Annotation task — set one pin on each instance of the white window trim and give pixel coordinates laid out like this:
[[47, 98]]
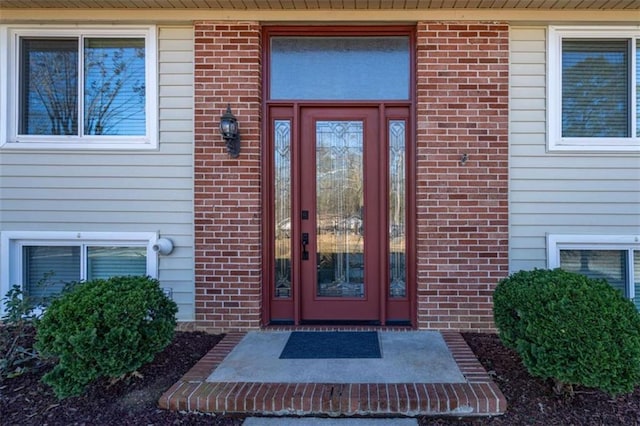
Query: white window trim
[[9, 113], [11, 243], [554, 90], [630, 243]]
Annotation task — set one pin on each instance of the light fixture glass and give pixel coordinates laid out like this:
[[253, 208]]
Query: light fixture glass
[[229, 131]]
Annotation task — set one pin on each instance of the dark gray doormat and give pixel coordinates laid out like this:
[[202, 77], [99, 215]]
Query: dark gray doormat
[[331, 344]]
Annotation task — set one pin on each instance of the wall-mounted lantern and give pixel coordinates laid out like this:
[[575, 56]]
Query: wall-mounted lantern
[[230, 134]]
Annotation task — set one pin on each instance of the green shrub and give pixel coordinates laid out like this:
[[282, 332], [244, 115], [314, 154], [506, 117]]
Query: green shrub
[[17, 354], [104, 328], [570, 328]]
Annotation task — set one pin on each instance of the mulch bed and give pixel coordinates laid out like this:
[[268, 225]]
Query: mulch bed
[[24, 400]]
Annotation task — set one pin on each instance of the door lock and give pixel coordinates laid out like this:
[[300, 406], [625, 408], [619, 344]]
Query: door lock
[[305, 243]]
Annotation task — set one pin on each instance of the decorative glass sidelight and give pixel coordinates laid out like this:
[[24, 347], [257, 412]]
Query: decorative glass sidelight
[[636, 274], [339, 209], [282, 207], [397, 211]]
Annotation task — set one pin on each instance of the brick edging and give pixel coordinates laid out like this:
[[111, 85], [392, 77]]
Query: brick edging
[[479, 397]]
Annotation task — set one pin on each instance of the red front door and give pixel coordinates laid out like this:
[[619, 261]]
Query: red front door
[[338, 226], [340, 218]]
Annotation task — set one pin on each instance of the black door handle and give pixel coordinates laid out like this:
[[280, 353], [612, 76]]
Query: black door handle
[[305, 243]]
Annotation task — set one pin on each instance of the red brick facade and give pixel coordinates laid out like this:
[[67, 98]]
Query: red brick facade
[[462, 217], [227, 190], [462, 211]]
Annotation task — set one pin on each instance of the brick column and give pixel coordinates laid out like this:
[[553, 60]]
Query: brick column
[[462, 211], [227, 207]]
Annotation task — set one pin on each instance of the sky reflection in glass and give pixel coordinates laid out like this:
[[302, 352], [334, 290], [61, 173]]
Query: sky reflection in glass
[[112, 86]]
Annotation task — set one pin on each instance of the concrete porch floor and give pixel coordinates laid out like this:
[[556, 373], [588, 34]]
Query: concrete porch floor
[[420, 373]]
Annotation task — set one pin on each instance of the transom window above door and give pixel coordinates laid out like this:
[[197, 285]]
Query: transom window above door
[[340, 67]]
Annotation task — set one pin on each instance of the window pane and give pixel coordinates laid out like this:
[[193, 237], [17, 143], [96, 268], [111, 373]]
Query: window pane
[[638, 88], [114, 87], [636, 274], [595, 88], [610, 265], [340, 68], [106, 262], [340, 220], [47, 269], [282, 192], [397, 222], [48, 87]]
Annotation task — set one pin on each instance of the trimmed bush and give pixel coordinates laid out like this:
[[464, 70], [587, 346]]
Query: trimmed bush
[[570, 328], [104, 328], [17, 354]]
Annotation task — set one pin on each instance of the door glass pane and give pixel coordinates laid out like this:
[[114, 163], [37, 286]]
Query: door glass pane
[[339, 210], [46, 270], [610, 265], [595, 88], [282, 208], [636, 274], [397, 222], [107, 262], [49, 87], [638, 88], [114, 87], [340, 68]]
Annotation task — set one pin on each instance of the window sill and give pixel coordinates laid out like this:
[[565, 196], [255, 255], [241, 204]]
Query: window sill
[[632, 146], [81, 146]]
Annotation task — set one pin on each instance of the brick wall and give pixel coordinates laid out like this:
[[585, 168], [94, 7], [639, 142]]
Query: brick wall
[[462, 217], [227, 190], [462, 213]]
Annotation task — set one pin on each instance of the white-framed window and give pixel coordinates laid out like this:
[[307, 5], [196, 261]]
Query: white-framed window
[[78, 87], [43, 262], [593, 85], [615, 258]]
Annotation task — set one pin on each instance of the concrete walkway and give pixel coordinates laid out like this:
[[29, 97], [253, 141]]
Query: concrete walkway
[[407, 356], [419, 373]]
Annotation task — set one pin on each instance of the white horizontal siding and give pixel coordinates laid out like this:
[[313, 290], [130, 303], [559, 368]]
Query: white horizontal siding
[[557, 193], [88, 184], [111, 194], [111, 191]]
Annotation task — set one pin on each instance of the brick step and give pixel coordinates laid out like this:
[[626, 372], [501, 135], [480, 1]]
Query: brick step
[[479, 396]]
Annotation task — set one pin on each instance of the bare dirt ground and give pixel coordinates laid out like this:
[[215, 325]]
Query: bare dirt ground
[[24, 400]]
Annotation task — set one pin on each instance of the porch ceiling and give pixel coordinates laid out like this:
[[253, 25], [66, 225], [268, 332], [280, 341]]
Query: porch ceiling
[[324, 4]]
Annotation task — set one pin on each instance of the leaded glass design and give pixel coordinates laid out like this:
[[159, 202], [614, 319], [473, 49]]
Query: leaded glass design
[[636, 275], [339, 210], [638, 88], [397, 216], [282, 208]]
